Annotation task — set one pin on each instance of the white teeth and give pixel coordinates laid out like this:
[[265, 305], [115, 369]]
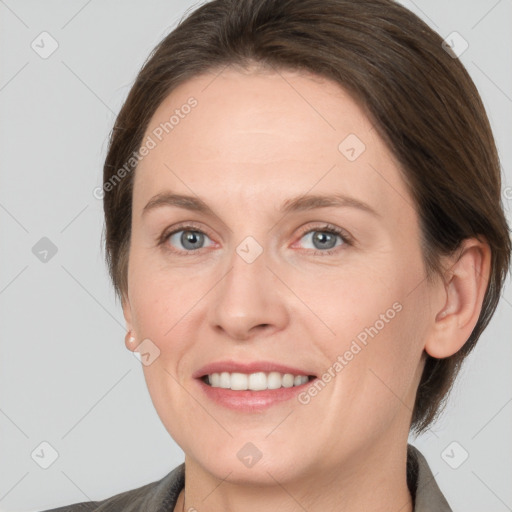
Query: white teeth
[[274, 380], [255, 381], [297, 381]]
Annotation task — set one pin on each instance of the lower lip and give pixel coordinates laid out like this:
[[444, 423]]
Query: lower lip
[[251, 401]]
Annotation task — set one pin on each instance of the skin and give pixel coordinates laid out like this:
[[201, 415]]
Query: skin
[[255, 140]]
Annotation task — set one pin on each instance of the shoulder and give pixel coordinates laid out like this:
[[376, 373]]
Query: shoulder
[[159, 495], [426, 493]]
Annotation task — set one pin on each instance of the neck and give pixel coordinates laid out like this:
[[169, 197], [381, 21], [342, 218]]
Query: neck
[[374, 479]]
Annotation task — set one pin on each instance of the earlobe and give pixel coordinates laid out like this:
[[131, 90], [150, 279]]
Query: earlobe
[[465, 284], [129, 339]]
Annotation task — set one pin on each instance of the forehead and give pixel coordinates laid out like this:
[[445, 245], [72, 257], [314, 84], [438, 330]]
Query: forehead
[[265, 136]]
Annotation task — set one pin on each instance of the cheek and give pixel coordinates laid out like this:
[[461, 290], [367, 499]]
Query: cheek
[[161, 297], [395, 354], [173, 406], [357, 303], [379, 326], [377, 384]]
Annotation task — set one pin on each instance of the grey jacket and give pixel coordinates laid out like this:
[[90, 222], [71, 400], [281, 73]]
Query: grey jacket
[[161, 496]]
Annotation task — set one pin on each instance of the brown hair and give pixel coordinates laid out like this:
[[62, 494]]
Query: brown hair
[[421, 98]]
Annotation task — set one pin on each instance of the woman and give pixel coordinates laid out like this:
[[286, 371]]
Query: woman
[[304, 228]]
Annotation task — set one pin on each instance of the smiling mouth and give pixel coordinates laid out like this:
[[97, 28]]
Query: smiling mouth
[[258, 381]]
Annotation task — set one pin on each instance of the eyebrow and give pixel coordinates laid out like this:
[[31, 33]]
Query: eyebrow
[[295, 204]]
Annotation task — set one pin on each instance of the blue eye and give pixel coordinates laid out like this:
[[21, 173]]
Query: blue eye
[[190, 238], [324, 239]]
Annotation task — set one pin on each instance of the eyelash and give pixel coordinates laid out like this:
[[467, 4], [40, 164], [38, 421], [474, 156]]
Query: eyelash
[[326, 228]]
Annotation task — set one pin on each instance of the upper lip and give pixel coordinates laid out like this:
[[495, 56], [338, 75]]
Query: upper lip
[[248, 367]]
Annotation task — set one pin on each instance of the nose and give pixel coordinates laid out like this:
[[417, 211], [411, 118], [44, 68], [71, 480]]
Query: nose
[[249, 300]]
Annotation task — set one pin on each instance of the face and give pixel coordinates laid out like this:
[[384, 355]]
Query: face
[[331, 289]]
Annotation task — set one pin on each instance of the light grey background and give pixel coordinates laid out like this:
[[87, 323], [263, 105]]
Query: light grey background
[[65, 375]]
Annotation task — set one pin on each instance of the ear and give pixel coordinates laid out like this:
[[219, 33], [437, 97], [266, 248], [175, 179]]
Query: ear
[[465, 283], [127, 313]]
